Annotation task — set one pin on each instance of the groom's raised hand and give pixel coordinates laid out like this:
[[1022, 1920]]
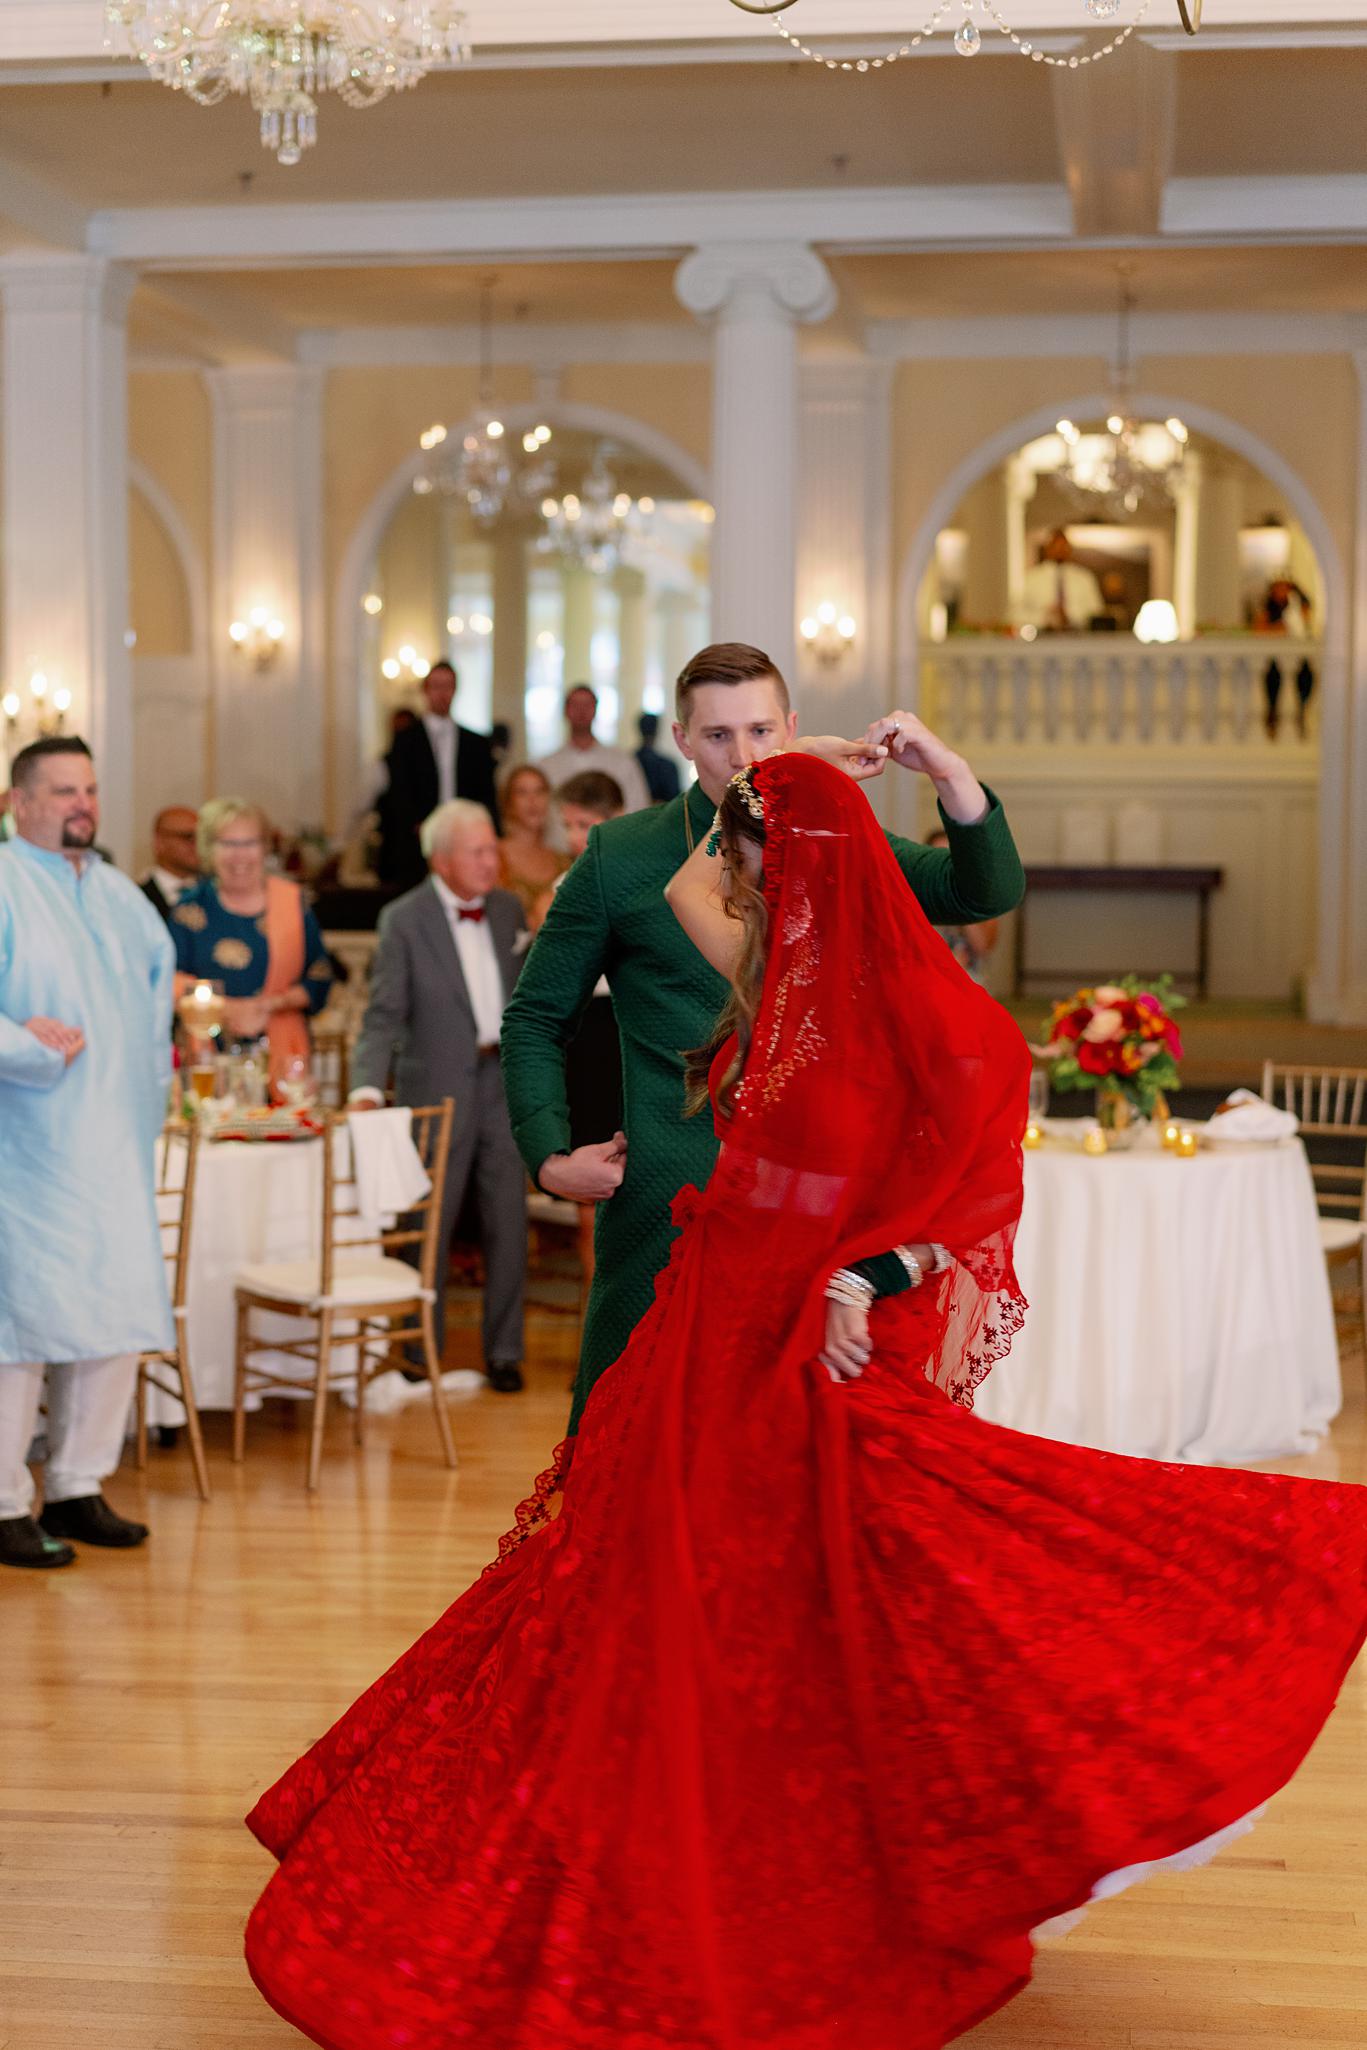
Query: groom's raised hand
[[588, 1175], [912, 744]]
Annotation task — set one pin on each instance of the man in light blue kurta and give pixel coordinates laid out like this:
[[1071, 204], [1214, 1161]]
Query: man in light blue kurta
[[86, 971]]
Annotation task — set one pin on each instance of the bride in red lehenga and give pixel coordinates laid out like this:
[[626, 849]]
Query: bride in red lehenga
[[817, 1696]]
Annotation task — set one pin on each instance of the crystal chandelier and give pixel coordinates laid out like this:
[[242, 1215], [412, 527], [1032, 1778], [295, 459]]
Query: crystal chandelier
[[590, 527], [283, 54], [1134, 462], [481, 467]]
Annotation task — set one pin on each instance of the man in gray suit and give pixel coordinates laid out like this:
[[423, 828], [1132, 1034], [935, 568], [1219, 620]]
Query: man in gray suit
[[445, 967]]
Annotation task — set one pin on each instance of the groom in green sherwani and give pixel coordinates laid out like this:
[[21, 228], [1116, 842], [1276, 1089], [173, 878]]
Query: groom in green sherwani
[[610, 918]]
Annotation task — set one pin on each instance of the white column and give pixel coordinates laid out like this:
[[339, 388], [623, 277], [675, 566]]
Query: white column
[[1352, 1009], [576, 582], [755, 293], [270, 724], [1021, 485], [1186, 542], [844, 539], [64, 437], [510, 631], [632, 624]]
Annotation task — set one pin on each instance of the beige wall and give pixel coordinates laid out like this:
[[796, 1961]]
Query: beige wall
[[170, 430], [159, 597]]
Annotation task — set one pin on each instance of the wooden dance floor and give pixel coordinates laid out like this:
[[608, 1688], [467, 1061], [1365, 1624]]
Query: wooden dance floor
[[147, 1698]]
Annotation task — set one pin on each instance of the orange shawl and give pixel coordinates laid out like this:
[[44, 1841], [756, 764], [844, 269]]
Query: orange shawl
[[288, 1030]]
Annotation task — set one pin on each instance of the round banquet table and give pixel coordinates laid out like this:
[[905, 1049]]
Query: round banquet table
[[254, 1200], [1179, 1309]]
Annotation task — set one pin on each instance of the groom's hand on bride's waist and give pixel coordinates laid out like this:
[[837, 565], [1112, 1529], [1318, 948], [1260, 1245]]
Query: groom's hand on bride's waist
[[588, 1175]]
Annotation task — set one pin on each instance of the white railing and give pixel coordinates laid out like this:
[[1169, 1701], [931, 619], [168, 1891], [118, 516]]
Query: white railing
[[1103, 690]]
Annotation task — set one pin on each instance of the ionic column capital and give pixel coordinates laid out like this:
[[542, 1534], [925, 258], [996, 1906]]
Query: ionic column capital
[[783, 279]]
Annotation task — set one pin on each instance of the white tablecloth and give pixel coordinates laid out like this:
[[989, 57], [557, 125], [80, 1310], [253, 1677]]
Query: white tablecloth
[[253, 1201], [1179, 1309]]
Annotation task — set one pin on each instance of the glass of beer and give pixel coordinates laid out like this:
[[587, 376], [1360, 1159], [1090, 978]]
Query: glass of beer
[[203, 1079]]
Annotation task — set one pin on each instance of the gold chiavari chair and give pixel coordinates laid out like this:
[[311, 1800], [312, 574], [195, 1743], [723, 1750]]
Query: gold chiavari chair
[[1331, 1103], [169, 1372], [332, 1065], [354, 1294]]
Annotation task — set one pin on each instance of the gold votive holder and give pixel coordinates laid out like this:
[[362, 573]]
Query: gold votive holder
[[1172, 1135], [1095, 1143], [1033, 1139], [1185, 1148]]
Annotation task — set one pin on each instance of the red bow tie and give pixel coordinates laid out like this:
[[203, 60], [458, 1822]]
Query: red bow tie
[[476, 916]]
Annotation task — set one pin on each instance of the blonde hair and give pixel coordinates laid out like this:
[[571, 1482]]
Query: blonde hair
[[218, 813]]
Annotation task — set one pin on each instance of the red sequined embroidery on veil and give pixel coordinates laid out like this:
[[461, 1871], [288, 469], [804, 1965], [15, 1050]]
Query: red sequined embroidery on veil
[[810, 1702]]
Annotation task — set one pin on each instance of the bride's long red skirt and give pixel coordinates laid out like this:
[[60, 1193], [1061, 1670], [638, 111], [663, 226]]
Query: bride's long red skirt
[[810, 1704]]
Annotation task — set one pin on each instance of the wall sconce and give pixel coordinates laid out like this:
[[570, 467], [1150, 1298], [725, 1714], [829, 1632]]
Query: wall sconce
[[258, 636], [829, 633]]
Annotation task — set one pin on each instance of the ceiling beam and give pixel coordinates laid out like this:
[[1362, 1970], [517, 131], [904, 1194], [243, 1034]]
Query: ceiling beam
[[986, 337], [1116, 126], [1324, 209], [610, 224]]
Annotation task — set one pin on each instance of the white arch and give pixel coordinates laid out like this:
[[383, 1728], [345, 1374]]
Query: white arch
[[174, 525], [1334, 808], [353, 579]]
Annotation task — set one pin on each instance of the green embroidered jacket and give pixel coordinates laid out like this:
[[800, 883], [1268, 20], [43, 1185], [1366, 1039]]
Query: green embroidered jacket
[[610, 918]]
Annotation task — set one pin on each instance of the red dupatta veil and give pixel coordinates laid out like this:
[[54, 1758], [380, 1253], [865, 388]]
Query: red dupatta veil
[[885, 1092]]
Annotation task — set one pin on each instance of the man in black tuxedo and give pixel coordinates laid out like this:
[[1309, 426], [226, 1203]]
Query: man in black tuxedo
[[429, 763], [175, 858]]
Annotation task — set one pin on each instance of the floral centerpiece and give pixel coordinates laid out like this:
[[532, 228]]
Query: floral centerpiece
[[1121, 1040]]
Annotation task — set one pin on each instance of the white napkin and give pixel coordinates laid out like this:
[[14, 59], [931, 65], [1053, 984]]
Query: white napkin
[[1250, 1119], [390, 1176]]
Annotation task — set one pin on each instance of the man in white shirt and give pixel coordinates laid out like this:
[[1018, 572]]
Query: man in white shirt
[[444, 968], [583, 751], [175, 858], [1061, 594]]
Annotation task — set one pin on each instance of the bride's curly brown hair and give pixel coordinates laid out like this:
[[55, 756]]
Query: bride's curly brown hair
[[744, 901]]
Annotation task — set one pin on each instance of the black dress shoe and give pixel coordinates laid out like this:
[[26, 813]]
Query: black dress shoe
[[22, 1543], [90, 1520], [504, 1376]]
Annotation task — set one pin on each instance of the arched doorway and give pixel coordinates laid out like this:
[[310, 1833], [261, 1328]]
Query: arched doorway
[[1096, 706], [521, 616]]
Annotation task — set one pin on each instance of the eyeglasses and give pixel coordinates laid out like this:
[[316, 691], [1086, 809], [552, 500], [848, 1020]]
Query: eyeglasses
[[236, 846]]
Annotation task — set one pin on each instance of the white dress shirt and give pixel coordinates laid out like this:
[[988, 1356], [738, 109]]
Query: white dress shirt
[[441, 731], [625, 772], [478, 962], [172, 888]]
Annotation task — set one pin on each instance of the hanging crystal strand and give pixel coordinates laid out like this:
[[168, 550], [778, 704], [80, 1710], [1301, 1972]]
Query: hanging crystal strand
[[1102, 10], [967, 36]]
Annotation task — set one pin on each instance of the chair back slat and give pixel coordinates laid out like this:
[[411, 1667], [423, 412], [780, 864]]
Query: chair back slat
[[177, 1168], [431, 1129], [1331, 1104]]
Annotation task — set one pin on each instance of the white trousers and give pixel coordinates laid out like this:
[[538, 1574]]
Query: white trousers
[[87, 1415]]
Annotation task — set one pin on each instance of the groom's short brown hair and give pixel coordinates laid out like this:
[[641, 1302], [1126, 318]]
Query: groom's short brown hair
[[726, 662]]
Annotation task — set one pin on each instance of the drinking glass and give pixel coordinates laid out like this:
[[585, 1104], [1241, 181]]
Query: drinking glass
[[203, 1078], [296, 1084], [1039, 1095]]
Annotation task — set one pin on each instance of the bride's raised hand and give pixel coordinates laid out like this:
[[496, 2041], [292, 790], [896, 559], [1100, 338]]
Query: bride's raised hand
[[862, 759]]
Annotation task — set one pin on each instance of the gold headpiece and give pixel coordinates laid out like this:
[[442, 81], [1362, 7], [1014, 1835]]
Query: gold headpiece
[[749, 796]]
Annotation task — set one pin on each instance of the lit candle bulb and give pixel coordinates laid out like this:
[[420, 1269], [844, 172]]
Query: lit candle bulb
[[1186, 1146], [1033, 1137], [1171, 1134]]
